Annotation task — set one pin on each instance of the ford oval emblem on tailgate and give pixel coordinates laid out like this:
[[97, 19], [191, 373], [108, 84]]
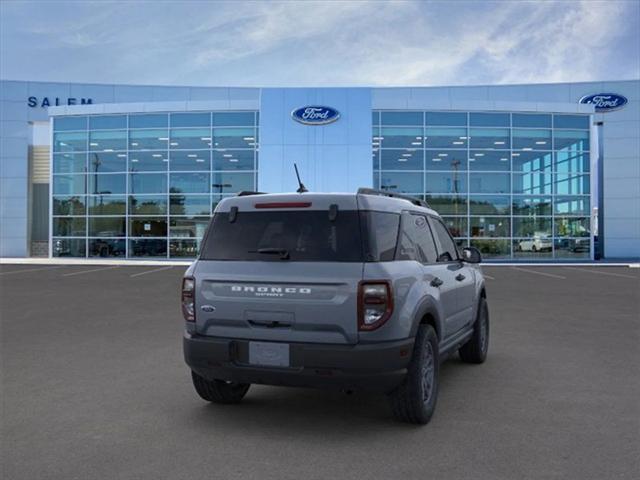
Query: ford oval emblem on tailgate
[[208, 308]]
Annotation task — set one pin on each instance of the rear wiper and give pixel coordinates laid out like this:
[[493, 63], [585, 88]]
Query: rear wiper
[[283, 252]]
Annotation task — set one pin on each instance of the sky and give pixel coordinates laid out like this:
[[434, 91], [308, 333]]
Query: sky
[[329, 43]]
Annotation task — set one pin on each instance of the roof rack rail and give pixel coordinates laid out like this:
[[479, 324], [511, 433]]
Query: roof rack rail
[[384, 193], [244, 193]]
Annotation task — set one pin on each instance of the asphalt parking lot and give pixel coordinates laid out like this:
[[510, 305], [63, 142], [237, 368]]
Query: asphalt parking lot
[[94, 387]]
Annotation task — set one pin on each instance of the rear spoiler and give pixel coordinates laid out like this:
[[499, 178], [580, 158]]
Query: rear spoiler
[[361, 191], [246, 193], [383, 193]]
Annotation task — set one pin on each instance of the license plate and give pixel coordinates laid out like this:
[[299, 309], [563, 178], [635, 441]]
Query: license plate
[[269, 354]]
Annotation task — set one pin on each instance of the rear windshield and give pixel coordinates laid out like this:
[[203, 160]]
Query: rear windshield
[[303, 236]]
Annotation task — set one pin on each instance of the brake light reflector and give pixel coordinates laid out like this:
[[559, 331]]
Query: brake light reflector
[[375, 304], [188, 299]]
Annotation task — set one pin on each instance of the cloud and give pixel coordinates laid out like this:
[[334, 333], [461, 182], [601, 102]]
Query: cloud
[[321, 43]]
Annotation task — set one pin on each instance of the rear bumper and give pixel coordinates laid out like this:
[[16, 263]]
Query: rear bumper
[[374, 367]]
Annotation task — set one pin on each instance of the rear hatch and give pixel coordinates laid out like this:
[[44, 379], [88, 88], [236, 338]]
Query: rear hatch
[[281, 269]]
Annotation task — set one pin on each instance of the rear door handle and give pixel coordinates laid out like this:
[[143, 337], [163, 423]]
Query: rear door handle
[[460, 277], [436, 282]]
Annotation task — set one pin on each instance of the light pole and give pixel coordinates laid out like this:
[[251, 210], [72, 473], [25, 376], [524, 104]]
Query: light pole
[[220, 186], [456, 165]]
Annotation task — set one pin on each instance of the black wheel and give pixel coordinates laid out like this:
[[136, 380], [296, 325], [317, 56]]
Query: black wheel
[[219, 391], [534, 248], [415, 400], [475, 350]]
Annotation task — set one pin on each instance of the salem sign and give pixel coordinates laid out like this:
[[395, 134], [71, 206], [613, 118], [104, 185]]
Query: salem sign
[[44, 102]]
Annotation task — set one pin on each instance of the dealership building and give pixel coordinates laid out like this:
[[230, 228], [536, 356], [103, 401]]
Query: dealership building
[[547, 172]]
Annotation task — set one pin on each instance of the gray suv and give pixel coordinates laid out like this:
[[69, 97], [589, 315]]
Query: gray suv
[[359, 291]]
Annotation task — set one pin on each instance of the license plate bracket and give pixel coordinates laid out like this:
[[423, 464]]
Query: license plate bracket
[[269, 354]]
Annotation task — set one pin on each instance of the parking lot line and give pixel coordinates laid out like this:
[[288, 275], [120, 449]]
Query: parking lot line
[[30, 270], [150, 271], [600, 272], [488, 276], [89, 271], [539, 273]]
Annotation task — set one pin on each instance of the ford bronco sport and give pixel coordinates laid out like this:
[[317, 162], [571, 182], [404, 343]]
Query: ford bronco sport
[[354, 291]]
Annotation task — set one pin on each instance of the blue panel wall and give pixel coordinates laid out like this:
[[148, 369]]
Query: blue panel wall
[[331, 158]]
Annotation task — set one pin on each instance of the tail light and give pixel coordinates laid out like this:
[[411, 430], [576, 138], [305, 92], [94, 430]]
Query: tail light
[[375, 304], [188, 299]]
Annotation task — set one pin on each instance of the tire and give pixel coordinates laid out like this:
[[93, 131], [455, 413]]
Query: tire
[[476, 348], [219, 391], [534, 248], [415, 400]]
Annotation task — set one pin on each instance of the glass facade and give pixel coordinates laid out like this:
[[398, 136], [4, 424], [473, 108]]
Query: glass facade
[[514, 185], [144, 185]]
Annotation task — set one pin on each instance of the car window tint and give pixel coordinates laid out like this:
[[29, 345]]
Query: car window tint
[[304, 235], [380, 232], [407, 248], [415, 240], [447, 251], [425, 241]]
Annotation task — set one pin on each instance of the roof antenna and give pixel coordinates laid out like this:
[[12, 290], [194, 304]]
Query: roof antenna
[[301, 188]]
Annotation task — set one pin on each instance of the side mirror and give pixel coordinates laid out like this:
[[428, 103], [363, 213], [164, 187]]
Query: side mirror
[[471, 255]]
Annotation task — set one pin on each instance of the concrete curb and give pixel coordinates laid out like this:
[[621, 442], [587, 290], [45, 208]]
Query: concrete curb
[[91, 261], [563, 264], [160, 263]]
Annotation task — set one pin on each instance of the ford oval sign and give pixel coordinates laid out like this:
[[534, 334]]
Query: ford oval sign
[[605, 102], [315, 115]]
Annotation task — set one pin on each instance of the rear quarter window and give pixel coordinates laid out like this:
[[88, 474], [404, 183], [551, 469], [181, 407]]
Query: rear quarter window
[[380, 234]]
